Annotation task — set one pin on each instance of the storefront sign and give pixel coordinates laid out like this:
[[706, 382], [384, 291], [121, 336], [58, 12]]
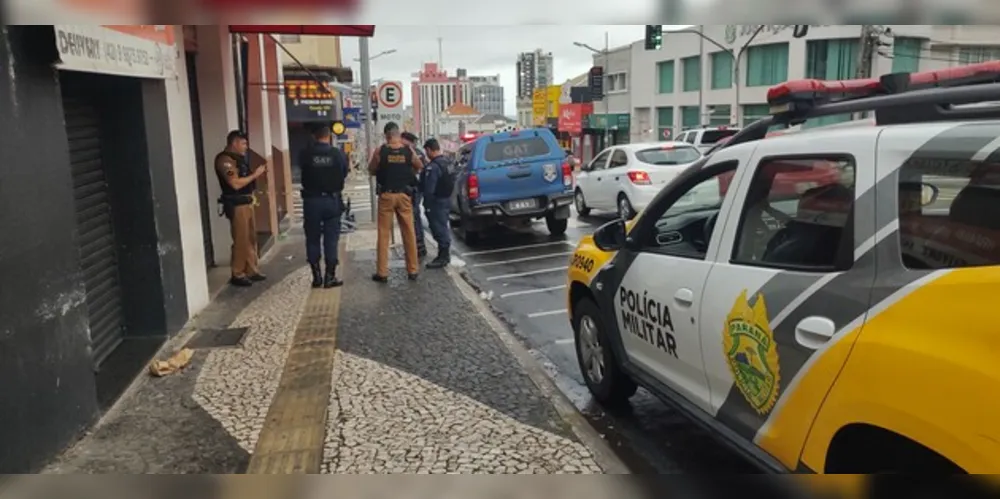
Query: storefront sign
[[608, 121], [596, 82], [141, 50], [571, 118], [306, 101], [538, 106], [353, 116]]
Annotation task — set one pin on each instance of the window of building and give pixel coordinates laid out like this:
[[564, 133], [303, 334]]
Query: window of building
[[722, 70], [797, 215], [665, 75], [690, 117], [664, 121], [617, 82], [831, 60], [973, 55], [906, 54], [767, 64], [290, 38], [719, 114], [949, 213], [692, 73]]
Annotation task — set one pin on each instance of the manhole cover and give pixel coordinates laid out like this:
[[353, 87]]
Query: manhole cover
[[217, 338]]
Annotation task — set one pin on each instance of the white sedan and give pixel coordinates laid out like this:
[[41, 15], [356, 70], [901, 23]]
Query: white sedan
[[625, 178]]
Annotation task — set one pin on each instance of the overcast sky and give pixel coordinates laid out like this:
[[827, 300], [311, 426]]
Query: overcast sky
[[484, 50]]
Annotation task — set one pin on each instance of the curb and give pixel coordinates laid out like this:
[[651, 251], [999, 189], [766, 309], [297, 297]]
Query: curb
[[603, 454]]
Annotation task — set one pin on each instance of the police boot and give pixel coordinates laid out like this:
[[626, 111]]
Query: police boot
[[331, 281], [442, 260], [317, 276], [421, 251]]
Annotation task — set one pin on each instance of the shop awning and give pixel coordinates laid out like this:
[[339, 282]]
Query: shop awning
[[359, 30]]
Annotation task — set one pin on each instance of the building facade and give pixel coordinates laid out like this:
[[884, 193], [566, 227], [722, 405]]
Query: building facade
[[433, 92], [115, 243], [692, 82], [313, 50], [611, 121], [487, 94], [534, 70]]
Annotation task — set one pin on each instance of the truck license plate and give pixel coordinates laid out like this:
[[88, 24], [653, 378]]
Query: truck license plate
[[522, 204]]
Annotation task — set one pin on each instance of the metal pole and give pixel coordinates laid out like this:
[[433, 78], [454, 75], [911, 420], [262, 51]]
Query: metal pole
[[701, 72], [366, 104], [607, 102]]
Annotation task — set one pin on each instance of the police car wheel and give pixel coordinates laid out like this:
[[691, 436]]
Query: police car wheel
[[556, 227], [581, 203], [608, 384]]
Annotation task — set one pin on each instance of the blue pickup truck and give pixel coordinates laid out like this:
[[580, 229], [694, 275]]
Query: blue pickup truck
[[511, 178]]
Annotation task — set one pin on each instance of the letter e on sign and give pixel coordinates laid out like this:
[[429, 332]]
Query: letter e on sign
[[390, 94]]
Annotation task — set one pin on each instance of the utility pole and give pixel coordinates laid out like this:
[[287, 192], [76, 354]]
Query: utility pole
[[440, 53], [867, 46], [366, 104], [607, 102]]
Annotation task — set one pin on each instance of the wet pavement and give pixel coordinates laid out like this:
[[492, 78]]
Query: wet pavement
[[522, 274]]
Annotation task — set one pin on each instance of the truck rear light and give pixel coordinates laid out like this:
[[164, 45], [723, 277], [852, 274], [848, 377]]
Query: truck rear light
[[473, 184], [567, 174], [639, 178]]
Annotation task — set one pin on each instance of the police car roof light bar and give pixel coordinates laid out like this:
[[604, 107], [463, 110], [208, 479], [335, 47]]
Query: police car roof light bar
[[792, 99]]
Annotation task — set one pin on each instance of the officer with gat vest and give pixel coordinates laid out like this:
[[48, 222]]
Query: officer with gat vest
[[418, 225], [438, 184], [324, 168], [238, 184], [394, 165]]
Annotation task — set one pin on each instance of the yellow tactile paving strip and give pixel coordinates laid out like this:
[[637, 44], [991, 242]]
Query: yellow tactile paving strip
[[291, 441]]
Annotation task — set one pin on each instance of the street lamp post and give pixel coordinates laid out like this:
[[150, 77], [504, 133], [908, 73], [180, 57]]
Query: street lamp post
[[366, 104], [376, 56], [735, 113]]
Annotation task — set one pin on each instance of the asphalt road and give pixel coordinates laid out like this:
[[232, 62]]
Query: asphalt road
[[523, 275]]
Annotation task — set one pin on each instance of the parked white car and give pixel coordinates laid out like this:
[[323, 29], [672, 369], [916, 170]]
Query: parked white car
[[625, 178], [706, 138]]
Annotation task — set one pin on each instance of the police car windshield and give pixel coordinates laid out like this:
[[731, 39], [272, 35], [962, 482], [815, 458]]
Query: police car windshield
[[668, 155], [507, 150]]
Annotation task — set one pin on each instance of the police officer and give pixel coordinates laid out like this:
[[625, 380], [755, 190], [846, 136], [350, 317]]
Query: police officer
[[324, 168], [394, 164], [238, 183], [418, 225], [437, 185]]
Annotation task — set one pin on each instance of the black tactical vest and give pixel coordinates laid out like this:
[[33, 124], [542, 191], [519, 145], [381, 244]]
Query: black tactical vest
[[242, 170], [322, 171], [395, 168]]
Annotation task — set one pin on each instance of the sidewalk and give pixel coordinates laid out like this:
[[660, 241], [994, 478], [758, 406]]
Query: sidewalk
[[408, 377]]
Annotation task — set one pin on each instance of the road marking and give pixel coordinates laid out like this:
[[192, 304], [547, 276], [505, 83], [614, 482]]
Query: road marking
[[564, 341], [525, 259], [544, 314], [523, 274], [531, 291], [514, 248]]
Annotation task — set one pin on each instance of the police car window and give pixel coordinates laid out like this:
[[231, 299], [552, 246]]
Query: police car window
[[691, 137], [949, 213], [668, 155], [797, 215], [713, 136], [516, 149], [686, 226]]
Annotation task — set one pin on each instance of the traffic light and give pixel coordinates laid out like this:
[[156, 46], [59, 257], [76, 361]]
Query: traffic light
[[654, 37]]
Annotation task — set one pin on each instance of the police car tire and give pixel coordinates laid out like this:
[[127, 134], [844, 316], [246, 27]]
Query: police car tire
[[616, 388], [556, 226]]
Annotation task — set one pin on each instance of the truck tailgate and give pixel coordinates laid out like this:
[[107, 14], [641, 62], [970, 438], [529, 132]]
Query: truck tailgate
[[517, 180]]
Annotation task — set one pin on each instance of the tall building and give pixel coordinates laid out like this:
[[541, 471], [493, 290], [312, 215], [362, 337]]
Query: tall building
[[534, 70], [487, 94], [433, 92]]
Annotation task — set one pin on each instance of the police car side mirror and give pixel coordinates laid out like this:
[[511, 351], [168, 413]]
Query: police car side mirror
[[610, 236], [928, 194]]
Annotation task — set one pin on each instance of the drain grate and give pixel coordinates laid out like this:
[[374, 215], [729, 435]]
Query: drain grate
[[217, 338]]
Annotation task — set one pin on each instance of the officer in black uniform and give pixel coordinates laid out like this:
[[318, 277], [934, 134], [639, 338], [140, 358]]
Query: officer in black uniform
[[238, 183], [324, 168]]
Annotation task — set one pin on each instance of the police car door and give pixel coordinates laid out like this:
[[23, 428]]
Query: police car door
[[661, 292], [795, 272]]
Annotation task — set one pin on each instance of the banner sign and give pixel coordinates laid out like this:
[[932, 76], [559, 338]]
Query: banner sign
[[141, 50], [307, 101], [353, 117]]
